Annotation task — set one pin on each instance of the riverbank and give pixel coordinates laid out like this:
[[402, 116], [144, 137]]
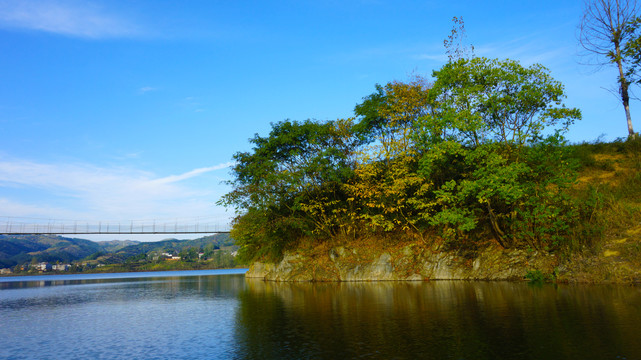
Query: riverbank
[[616, 260], [119, 269]]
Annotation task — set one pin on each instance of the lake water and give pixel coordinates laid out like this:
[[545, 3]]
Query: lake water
[[218, 314]]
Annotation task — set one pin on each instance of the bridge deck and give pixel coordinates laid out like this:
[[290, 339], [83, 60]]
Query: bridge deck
[[116, 232], [21, 226]]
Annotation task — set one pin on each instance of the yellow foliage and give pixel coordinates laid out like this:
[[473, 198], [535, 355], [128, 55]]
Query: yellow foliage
[[386, 181], [406, 104]]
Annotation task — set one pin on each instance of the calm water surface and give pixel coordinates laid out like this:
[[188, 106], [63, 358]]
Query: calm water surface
[[218, 314]]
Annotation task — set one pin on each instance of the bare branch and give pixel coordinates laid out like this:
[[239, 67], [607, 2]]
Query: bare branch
[[454, 44], [605, 31]]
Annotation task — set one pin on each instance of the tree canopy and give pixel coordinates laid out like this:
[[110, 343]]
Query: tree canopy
[[475, 153]]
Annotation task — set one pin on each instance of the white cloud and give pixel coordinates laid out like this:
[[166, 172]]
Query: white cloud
[[192, 173], [67, 17], [88, 192], [146, 89]]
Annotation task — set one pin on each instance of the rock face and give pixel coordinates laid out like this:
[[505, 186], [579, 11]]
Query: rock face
[[408, 263]]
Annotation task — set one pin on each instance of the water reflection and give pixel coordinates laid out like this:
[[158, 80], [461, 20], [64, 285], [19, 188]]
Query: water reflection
[[53, 293], [437, 320], [189, 317], [229, 317]]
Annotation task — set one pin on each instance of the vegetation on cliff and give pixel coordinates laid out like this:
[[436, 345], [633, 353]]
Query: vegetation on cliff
[[476, 154], [467, 169]]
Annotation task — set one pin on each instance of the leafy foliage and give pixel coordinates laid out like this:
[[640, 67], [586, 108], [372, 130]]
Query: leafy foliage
[[385, 178], [479, 151], [291, 184], [498, 170]]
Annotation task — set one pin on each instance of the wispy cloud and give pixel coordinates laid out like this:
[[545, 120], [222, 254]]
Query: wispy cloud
[[434, 57], [84, 191], [67, 17], [192, 104], [192, 173], [146, 89], [13, 208], [527, 52]]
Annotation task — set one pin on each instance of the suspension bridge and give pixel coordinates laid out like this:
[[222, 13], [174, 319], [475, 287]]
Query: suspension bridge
[[10, 225]]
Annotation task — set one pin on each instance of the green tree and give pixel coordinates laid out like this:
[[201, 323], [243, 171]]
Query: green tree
[[632, 52], [189, 254], [291, 185], [480, 149], [488, 161], [608, 38]]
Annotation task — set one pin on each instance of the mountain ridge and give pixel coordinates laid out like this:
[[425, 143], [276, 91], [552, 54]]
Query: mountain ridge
[[18, 250]]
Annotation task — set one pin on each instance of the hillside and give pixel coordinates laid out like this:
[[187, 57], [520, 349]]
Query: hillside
[[23, 249], [170, 245], [610, 178], [16, 250]]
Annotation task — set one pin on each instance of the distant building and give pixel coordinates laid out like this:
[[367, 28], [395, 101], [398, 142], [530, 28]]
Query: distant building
[[43, 266], [60, 267], [5, 271], [169, 256]]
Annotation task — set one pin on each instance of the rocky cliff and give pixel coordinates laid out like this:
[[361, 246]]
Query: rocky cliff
[[409, 262]]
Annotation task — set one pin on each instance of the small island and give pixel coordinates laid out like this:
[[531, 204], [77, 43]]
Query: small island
[[466, 175]]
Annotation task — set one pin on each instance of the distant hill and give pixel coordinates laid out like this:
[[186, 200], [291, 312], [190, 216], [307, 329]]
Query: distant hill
[[21, 249], [16, 250], [169, 245], [115, 245]]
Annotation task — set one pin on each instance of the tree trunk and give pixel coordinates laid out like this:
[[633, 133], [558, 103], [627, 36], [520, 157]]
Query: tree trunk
[[631, 132], [625, 99], [498, 233], [623, 87]]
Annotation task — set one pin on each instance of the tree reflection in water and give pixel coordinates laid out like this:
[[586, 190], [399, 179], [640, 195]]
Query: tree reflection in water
[[437, 320]]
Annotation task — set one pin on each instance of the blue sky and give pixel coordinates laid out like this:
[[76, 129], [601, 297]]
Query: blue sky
[[122, 110]]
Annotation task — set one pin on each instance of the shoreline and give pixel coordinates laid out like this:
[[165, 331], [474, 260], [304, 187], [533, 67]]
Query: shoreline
[[115, 272], [412, 261]]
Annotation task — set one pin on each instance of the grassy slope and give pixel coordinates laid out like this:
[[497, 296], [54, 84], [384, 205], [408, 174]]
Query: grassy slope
[[611, 172]]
